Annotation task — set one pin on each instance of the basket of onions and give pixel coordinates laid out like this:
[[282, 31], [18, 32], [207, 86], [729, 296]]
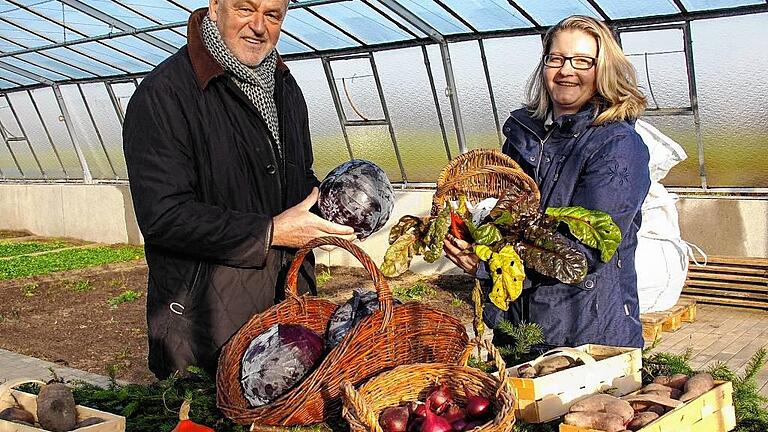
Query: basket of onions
[[433, 397]]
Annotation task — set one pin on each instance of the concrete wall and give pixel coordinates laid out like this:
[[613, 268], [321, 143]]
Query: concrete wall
[[104, 213]]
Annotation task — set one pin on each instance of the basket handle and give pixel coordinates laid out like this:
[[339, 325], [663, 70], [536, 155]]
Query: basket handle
[[477, 342], [6, 387], [573, 353], [379, 282], [366, 416]]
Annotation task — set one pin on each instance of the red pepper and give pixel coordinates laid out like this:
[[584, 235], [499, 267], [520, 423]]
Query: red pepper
[[459, 228], [187, 425]]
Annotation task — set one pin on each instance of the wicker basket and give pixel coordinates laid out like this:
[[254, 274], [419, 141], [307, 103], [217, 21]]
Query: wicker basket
[[395, 335], [480, 174], [363, 406]]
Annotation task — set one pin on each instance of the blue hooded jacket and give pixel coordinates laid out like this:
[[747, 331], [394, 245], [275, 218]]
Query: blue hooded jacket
[[600, 167]]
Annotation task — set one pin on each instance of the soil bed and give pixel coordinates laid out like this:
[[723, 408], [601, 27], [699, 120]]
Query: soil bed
[[66, 317]]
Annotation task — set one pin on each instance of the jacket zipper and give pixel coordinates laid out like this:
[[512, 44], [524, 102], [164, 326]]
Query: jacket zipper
[[542, 141]]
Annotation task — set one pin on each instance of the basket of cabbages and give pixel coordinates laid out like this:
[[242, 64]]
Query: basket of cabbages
[[433, 397], [284, 367]]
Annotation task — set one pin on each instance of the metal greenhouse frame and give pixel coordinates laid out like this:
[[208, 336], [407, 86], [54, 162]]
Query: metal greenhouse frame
[[53, 44]]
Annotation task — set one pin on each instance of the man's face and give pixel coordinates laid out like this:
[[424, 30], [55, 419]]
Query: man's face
[[249, 28]]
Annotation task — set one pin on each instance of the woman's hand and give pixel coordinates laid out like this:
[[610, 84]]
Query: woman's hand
[[459, 252]]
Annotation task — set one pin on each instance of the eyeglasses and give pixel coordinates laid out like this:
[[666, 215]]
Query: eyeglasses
[[577, 62]]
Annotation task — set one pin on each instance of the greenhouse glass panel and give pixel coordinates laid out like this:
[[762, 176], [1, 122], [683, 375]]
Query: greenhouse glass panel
[[55, 65], [52, 117], [20, 37], [357, 89], [485, 15], [435, 16], [376, 4], [171, 37], [121, 13], [13, 77], [143, 50], [74, 58], [10, 126], [85, 134], [509, 74], [361, 21], [314, 31], [193, 4], [476, 110], [36, 135], [17, 144], [289, 45], [733, 99], [8, 168], [105, 117], [6, 46], [77, 22], [413, 113], [123, 92], [110, 56], [551, 12], [43, 27], [658, 56], [694, 5], [683, 131], [374, 143], [6, 84], [32, 68], [617, 9], [328, 143], [162, 11]]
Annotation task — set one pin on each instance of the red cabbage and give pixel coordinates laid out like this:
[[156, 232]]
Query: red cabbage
[[278, 359], [346, 316], [357, 193]]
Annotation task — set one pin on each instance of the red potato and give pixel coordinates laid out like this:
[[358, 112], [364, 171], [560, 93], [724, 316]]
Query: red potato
[[18, 415], [56, 408], [595, 420], [661, 390], [605, 403], [641, 420]]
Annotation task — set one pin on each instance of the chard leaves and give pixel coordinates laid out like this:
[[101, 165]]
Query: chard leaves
[[594, 228], [397, 259], [437, 231], [551, 255]]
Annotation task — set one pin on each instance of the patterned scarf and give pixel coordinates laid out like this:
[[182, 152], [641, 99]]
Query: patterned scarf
[[257, 82]]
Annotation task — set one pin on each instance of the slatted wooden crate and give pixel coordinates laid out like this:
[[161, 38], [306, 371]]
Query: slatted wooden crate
[[10, 397], [669, 320], [711, 412], [730, 281], [615, 370]]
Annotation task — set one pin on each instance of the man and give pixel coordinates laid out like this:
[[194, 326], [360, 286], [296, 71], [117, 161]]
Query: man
[[217, 145]]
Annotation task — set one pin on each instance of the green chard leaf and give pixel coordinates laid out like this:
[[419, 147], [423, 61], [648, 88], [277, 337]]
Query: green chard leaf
[[551, 255], [513, 205], [594, 228], [405, 224], [397, 259], [437, 231], [486, 234]]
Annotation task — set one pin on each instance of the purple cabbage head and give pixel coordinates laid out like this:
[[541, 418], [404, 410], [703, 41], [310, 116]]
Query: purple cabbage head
[[357, 193], [277, 360], [346, 316]]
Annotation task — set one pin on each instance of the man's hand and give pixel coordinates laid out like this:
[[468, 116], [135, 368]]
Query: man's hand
[[456, 251], [296, 226]]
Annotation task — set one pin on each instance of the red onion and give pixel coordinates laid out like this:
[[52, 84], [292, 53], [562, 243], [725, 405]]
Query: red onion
[[394, 419], [473, 424], [440, 398], [453, 413], [459, 425], [417, 409], [433, 422], [477, 406], [415, 424]]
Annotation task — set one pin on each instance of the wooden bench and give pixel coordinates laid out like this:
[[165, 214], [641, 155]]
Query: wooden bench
[[729, 281], [669, 320]]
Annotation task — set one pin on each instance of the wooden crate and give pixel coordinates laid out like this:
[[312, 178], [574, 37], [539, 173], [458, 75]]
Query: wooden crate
[[669, 320], [616, 370], [9, 397], [711, 412], [730, 281]]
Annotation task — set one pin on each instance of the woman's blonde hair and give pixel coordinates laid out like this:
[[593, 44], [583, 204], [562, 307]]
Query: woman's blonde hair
[[617, 97]]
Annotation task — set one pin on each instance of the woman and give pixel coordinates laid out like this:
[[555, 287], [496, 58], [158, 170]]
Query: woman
[[576, 138]]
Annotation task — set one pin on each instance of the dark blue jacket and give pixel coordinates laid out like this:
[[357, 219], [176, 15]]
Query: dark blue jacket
[[601, 167]]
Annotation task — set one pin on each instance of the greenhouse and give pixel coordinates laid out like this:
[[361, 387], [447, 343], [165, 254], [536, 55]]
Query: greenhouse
[[409, 85]]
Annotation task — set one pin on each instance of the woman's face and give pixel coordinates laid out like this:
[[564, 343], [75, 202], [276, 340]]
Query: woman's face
[[571, 88]]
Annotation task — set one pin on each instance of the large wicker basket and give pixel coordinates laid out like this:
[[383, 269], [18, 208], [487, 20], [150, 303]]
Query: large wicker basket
[[363, 406], [393, 336], [480, 174]]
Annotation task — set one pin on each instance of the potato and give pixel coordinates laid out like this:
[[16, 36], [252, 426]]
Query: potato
[[697, 385], [605, 403], [526, 371], [595, 420], [56, 408], [678, 381], [18, 415], [90, 421], [552, 364], [658, 409], [641, 420], [661, 390]]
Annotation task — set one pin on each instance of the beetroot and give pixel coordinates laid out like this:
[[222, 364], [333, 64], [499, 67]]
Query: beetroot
[[357, 193], [277, 360]]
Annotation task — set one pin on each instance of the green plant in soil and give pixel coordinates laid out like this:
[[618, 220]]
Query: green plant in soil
[[416, 292], [125, 297], [29, 290], [11, 249], [25, 266], [79, 286], [456, 302], [323, 277]]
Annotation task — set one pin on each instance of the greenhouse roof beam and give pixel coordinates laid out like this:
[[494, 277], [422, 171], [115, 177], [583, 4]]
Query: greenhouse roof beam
[[414, 20], [599, 10], [456, 15], [25, 74], [680, 6], [525, 13], [118, 24]]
